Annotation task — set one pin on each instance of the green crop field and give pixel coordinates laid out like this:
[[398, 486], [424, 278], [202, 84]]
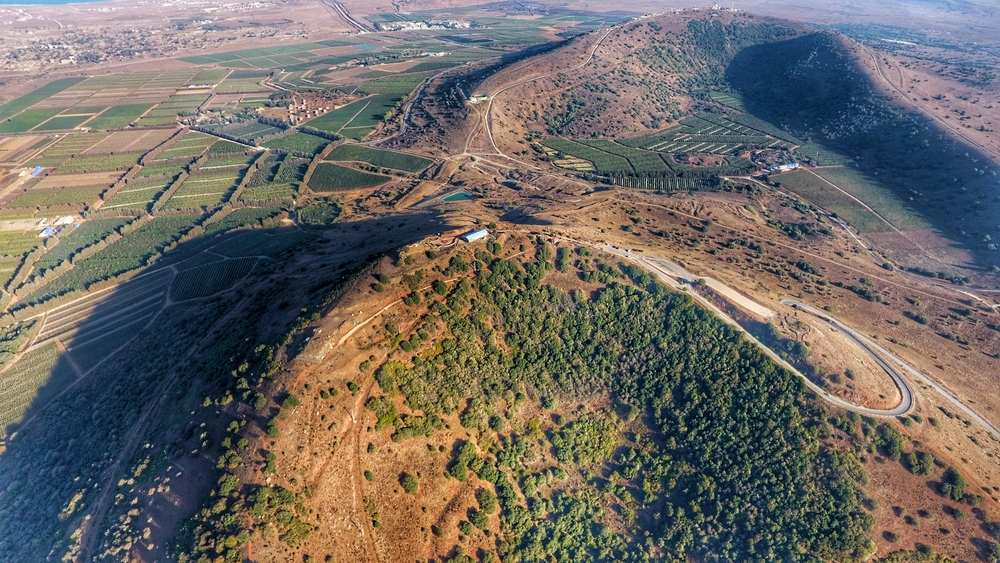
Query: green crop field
[[302, 143], [640, 160], [815, 190], [875, 195], [120, 116], [17, 243], [32, 380], [331, 177], [26, 120], [99, 163], [60, 123], [129, 253], [139, 194], [734, 101], [387, 159], [83, 196], [245, 217], [821, 155], [90, 232], [399, 85], [334, 121], [18, 105], [210, 279]]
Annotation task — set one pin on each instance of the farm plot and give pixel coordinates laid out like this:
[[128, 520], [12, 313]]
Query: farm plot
[[821, 155], [16, 244], [210, 279], [27, 120], [98, 163], [210, 76], [35, 378], [262, 243], [276, 183], [399, 85], [130, 141], [93, 327], [875, 195], [73, 180], [371, 116], [204, 189], [139, 195], [734, 101], [386, 159], [322, 214], [66, 147], [63, 122], [167, 170], [132, 251], [240, 86], [18, 105], [601, 161], [714, 134], [87, 234], [226, 147], [82, 197], [807, 186], [190, 146], [15, 150], [640, 160], [330, 177], [334, 121], [245, 217], [298, 143], [119, 116]]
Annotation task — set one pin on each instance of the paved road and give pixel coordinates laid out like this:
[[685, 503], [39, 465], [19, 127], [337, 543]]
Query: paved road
[[667, 274], [873, 347]]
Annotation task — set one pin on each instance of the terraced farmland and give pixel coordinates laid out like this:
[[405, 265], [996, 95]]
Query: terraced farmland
[[87, 234], [31, 381], [298, 143]]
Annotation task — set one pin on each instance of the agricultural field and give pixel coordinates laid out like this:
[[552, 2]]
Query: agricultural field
[[13, 107], [357, 119], [246, 217], [385, 159], [18, 243], [807, 186], [130, 141], [399, 85], [98, 163], [203, 281], [139, 194], [80, 197], [298, 143], [331, 177], [601, 161], [189, 146], [82, 179], [822, 156], [734, 101], [132, 251], [319, 213], [875, 195], [204, 189], [15, 150], [27, 120], [87, 234], [226, 147], [275, 181], [33, 380], [65, 147], [95, 325], [715, 134], [63, 122], [247, 131], [119, 116], [262, 243]]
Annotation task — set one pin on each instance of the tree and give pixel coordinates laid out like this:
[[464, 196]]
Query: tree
[[409, 483]]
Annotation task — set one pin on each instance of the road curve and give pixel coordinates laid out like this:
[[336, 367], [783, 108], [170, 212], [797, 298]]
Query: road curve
[[669, 275], [872, 346]]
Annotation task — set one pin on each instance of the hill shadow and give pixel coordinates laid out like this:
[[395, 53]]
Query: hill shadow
[[814, 87], [142, 366]]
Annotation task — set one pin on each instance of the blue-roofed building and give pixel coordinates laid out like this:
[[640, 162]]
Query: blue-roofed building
[[38, 170], [473, 236]]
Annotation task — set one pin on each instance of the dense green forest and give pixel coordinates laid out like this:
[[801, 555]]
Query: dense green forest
[[720, 460]]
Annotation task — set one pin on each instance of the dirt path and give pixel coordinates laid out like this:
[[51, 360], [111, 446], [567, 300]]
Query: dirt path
[[91, 528], [925, 112]]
